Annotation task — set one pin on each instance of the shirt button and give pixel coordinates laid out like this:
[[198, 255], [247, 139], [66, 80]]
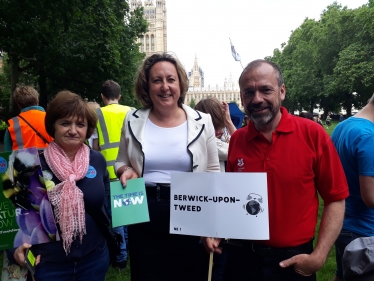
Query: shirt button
[[267, 159]]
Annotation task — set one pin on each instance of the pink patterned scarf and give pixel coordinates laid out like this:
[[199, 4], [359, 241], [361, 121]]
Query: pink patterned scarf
[[66, 197]]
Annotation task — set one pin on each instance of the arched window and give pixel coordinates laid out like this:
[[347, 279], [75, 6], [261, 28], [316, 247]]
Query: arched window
[[152, 42], [147, 43]]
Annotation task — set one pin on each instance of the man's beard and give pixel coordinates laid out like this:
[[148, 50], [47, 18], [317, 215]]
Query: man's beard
[[262, 118]]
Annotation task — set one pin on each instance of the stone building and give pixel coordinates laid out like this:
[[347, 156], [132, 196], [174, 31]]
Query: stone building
[[196, 91], [155, 39], [196, 76]]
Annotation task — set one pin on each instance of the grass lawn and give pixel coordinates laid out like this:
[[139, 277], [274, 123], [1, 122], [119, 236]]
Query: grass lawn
[[325, 274], [114, 274]]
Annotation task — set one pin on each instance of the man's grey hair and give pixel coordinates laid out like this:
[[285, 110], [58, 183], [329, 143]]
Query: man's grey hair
[[256, 63]]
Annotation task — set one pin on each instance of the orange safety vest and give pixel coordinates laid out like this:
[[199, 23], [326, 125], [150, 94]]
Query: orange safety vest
[[23, 136]]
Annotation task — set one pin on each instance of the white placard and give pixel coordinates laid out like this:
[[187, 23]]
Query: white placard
[[224, 205]]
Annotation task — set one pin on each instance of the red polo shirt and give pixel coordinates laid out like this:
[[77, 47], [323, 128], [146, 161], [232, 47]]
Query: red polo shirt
[[300, 161]]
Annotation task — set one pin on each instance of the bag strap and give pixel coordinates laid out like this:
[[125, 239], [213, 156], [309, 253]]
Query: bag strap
[[39, 135]]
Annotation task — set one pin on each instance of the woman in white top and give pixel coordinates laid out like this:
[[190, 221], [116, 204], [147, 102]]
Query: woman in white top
[[162, 137]]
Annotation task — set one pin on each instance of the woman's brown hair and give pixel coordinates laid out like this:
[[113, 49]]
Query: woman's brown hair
[[68, 104], [213, 106], [142, 80]]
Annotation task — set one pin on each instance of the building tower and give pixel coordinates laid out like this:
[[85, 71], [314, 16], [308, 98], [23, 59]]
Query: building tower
[[155, 39], [197, 91], [196, 76]]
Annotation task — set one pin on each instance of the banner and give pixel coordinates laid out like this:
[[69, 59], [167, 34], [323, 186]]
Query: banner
[[223, 205], [129, 205], [26, 214]]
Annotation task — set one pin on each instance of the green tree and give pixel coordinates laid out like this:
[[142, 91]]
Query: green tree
[[73, 45], [330, 62], [4, 89], [297, 61], [192, 103]]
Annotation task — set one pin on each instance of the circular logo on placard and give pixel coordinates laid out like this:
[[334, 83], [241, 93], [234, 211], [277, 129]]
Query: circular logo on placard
[[253, 206], [3, 165], [91, 173]]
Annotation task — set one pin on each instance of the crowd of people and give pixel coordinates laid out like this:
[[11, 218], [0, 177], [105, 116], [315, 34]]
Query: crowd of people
[[121, 143], [318, 119]]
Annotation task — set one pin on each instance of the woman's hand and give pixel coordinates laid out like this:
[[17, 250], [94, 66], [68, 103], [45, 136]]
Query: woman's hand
[[211, 244], [226, 111], [128, 174], [20, 252]]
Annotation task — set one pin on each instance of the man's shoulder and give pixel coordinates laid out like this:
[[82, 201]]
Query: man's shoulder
[[306, 125], [239, 134], [110, 107], [124, 106], [354, 127], [33, 111]]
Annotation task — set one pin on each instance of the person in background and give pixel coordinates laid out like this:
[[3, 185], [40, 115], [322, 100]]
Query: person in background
[[301, 162], [220, 114], [245, 121], [354, 141], [93, 106], [164, 136], [75, 194], [109, 130], [341, 117], [222, 123], [328, 121], [27, 129], [307, 115]]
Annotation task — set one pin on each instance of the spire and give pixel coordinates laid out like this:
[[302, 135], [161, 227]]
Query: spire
[[196, 65], [196, 76], [230, 79]]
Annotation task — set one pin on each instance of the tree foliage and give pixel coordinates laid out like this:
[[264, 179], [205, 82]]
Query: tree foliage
[[72, 44], [330, 62], [192, 103]]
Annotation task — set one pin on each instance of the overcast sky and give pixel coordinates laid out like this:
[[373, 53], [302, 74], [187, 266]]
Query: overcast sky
[[256, 28]]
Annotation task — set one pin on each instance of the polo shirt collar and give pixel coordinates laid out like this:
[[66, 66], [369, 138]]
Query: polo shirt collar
[[285, 125]]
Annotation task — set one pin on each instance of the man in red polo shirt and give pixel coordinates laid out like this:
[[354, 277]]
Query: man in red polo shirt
[[301, 162]]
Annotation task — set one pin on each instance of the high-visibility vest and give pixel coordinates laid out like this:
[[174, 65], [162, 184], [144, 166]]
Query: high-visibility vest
[[23, 136], [109, 128]]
